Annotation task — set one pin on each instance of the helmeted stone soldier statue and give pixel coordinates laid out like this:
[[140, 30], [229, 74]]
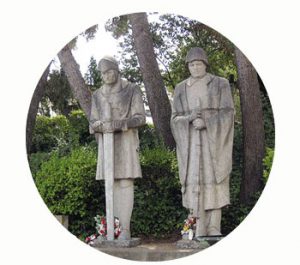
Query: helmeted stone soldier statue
[[202, 124], [122, 102]]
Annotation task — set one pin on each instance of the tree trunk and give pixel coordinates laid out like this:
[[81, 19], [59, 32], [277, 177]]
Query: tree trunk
[[33, 108], [76, 81], [158, 100], [253, 127]]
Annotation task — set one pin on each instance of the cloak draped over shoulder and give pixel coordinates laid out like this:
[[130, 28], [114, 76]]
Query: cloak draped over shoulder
[[204, 153]]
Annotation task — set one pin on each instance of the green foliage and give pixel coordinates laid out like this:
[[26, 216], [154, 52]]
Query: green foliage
[[61, 133], [67, 185], [79, 125], [148, 137], [233, 214], [172, 36], [58, 96], [50, 133], [158, 210], [269, 126], [36, 160], [267, 162], [93, 77]]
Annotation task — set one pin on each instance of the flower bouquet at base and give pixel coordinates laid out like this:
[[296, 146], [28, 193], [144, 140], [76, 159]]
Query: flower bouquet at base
[[187, 230], [101, 228]]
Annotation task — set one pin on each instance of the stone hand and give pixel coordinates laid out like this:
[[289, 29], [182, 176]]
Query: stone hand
[[199, 124], [196, 113], [107, 127], [97, 126], [118, 125]]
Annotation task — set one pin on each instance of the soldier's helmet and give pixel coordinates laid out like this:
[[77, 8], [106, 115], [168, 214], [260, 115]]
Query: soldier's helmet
[[108, 63], [196, 53]]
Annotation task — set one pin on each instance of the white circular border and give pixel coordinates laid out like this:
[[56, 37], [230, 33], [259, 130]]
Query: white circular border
[[34, 31]]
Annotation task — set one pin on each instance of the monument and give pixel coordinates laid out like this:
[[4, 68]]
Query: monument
[[116, 113], [202, 123]]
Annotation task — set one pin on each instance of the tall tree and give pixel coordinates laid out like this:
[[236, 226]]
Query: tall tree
[[253, 127], [71, 68], [58, 95], [158, 101], [76, 81], [34, 105], [92, 76]]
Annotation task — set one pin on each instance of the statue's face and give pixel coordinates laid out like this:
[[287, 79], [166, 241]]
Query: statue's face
[[110, 77], [197, 69]]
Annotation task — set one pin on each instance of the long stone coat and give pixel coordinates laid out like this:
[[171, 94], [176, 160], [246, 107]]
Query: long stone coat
[[126, 104], [204, 156]]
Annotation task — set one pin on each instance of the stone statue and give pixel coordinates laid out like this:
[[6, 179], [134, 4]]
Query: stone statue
[[117, 108], [202, 123]]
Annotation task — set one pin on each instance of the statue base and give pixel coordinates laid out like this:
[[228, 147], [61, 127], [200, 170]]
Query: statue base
[[209, 239], [103, 243], [200, 242]]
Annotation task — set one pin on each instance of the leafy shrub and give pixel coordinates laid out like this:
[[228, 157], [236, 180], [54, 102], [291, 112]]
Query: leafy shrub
[[158, 209], [61, 133], [148, 137], [80, 127], [234, 214], [36, 160], [267, 162], [68, 186], [49, 133]]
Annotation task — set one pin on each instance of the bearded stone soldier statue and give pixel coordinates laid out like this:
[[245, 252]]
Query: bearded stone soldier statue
[[117, 107], [202, 124]]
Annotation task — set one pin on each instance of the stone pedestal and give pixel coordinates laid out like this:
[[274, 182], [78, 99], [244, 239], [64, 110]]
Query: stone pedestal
[[191, 244], [103, 243], [63, 219], [209, 239], [198, 242], [149, 252]]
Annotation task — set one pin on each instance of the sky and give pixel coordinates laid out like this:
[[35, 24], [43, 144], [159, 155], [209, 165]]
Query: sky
[[103, 44]]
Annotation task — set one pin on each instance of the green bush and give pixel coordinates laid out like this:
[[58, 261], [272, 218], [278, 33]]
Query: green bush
[[67, 185], [61, 133], [158, 210], [267, 162], [50, 133], [148, 137], [80, 127], [36, 160]]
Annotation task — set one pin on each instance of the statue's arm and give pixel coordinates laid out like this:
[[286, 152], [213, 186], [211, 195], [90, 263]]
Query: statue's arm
[[94, 122], [178, 113], [137, 116]]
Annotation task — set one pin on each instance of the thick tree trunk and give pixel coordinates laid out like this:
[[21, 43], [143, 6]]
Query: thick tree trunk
[[159, 103], [253, 127], [33, 108], [76, 81]]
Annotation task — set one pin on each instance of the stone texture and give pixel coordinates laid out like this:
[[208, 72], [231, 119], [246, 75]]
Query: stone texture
[[192, 244], [63, 219], [117, 110], [102, 243], [209, 239], [150, 252], [202, 125]]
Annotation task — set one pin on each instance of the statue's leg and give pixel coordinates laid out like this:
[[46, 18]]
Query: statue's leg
[[214, 222], [201, 225], [123, 205]]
